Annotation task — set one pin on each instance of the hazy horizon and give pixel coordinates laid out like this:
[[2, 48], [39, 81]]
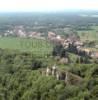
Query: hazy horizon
[[47, 5]]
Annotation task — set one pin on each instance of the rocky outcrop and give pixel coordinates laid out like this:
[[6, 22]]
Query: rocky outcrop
[[63, 75]]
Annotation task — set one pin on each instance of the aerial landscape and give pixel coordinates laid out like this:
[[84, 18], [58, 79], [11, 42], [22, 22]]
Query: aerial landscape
[[49, 56]]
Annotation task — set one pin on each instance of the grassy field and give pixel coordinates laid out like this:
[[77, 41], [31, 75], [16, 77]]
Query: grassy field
[[35, 46], [90, 34]]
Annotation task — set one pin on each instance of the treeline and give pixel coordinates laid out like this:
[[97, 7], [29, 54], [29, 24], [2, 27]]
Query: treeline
[[82, 57]]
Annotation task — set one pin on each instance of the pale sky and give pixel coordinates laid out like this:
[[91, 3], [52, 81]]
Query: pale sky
[[47, 5]]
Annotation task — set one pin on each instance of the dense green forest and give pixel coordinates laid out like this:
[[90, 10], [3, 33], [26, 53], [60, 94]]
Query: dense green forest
[[20, 79]]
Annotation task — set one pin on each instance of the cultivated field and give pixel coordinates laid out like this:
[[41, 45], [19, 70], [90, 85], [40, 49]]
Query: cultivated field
[[36, 46], [90, 34]]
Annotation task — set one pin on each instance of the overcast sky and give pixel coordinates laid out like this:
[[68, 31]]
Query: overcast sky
[[47, 5]]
